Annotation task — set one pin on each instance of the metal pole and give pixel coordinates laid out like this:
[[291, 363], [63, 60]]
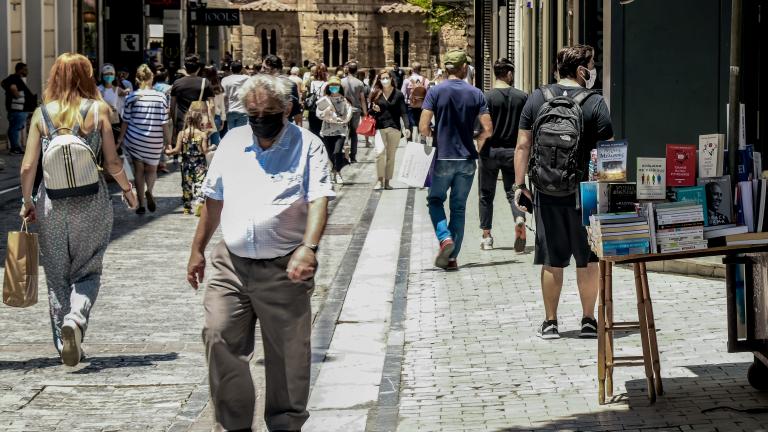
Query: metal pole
[[734, 90]]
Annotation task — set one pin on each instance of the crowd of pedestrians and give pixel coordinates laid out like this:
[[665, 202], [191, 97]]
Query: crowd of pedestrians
[[264, 266]]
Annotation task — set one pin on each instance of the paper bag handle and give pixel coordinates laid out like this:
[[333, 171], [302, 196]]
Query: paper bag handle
[[24, 225]]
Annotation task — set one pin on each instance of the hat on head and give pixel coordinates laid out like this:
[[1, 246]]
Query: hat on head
[[455, 58], [107, 68], [334, 80]]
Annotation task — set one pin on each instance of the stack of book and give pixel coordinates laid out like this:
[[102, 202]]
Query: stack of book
[[679, 227], [616, 234]]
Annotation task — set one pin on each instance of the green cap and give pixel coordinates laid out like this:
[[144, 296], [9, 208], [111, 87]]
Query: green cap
[[456, 58]]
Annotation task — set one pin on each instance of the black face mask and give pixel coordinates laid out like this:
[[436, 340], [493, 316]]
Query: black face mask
[[267, 126]]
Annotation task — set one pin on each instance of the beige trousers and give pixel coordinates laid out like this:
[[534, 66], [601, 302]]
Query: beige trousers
[[239, 292], [385, 161]]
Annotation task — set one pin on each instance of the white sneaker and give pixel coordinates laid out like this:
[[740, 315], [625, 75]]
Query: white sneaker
[[378, 186], [71, 337], [486, 243], [339, 179]]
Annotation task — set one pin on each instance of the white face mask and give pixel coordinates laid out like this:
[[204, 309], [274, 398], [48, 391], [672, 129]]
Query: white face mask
[[385, 82], [592, 78]]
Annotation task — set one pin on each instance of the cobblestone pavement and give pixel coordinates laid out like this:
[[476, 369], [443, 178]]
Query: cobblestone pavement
[[473, 362], [146, 365]]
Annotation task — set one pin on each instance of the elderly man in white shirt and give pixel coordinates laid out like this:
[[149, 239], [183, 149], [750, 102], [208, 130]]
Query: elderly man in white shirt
[[269, 187]]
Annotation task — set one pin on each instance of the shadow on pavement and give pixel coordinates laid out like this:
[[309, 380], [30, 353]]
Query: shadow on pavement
[[574, 334], [98, 364], [95, 364], [489, 264], [680, 408]]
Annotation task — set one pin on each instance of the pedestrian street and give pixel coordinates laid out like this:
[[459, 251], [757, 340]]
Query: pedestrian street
[[397, 344]]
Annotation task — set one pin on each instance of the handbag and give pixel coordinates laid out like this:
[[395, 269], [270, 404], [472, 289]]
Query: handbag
[[20, 281], [367, 126]]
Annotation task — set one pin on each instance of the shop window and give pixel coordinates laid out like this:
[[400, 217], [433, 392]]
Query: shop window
[[402, 48], [88, 36]]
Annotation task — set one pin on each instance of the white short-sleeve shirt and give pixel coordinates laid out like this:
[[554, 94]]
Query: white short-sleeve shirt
[[266, 193]]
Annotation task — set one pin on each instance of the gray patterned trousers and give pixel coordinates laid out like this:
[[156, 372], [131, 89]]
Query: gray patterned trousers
[[74, 234]]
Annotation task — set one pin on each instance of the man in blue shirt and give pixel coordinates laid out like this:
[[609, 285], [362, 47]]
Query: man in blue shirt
[[455, 106]]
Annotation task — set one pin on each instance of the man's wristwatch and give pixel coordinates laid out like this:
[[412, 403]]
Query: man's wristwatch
[[311, 246], [518, 186]]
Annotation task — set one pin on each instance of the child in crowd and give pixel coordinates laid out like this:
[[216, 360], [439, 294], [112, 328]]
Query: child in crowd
[[192, 143]]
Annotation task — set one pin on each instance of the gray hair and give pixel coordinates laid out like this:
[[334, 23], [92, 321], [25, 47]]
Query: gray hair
[[276, 87]]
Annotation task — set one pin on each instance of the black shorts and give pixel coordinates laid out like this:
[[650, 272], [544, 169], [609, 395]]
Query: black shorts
[[560, 234]]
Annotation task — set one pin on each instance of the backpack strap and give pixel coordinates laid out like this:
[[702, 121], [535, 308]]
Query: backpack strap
[[202, 90], [50, 128], [83, 113], [582, 96], [547, 92]]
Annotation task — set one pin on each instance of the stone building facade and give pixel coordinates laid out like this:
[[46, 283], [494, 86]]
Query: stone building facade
[[376, 33]]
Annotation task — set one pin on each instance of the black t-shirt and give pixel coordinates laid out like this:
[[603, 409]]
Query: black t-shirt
[[30, 100], [505, 106], [187, 90], [597, 127]]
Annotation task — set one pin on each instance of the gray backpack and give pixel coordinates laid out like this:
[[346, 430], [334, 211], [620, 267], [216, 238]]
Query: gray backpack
[[70, 167], [557, 155]]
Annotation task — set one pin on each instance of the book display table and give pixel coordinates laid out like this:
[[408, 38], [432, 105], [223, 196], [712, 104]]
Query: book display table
[[755, 257]]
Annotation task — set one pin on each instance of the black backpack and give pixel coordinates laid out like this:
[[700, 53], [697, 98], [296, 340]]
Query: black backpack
[[557, 155]]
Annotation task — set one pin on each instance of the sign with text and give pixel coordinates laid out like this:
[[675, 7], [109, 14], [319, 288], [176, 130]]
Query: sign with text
[[215, 17]]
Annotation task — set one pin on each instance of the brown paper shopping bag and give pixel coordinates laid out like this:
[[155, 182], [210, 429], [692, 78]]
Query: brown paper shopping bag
[[20, 283]]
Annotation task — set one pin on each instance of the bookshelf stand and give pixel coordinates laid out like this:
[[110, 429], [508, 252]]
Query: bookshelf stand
[[606, 361]]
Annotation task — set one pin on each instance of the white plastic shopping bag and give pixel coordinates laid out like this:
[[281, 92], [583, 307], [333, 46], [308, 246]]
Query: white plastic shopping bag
[[128, 167], [378, 143], [416, 162]]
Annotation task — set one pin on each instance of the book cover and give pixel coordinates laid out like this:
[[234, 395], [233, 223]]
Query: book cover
[[593, 165], [745, 208], [745, 164], [711, 148], [622, 197], [612, 160], [589, 201], [719, 200], [695, 194], [681, 165], [651, 178]]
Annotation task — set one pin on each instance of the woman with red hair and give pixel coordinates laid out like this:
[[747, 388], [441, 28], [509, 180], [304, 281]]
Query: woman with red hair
[[74, 230]]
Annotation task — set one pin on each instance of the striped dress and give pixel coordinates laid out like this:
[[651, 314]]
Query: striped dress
[[146, 112]]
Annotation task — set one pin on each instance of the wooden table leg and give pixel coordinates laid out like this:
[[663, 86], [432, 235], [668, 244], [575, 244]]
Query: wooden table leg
[[641, 314], [601, 335], [651, 331], [609, 324]]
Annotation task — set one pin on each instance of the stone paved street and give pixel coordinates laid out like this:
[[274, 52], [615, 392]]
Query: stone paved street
[[454, 351]]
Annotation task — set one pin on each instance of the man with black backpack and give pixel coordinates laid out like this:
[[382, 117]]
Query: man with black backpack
[[505, 104], [560, 124]]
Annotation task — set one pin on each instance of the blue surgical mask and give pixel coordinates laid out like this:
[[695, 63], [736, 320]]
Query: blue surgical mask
[[334, 89], [109, 78]]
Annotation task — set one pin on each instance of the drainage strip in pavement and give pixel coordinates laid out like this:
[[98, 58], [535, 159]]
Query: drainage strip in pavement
[[383, 417]]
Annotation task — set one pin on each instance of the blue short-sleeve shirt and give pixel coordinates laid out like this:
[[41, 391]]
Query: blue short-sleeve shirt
[[456, 106]]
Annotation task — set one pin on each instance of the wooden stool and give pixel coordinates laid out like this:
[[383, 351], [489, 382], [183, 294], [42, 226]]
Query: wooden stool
[[606, 326]]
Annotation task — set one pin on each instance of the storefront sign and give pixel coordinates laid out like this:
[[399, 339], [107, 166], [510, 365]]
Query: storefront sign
[[172, 21], [129, 42], [215, 17]]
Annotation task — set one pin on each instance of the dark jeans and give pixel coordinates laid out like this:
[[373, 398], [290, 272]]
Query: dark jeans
[[17, 121], [334, 146], [488, 174], [353, 123]]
